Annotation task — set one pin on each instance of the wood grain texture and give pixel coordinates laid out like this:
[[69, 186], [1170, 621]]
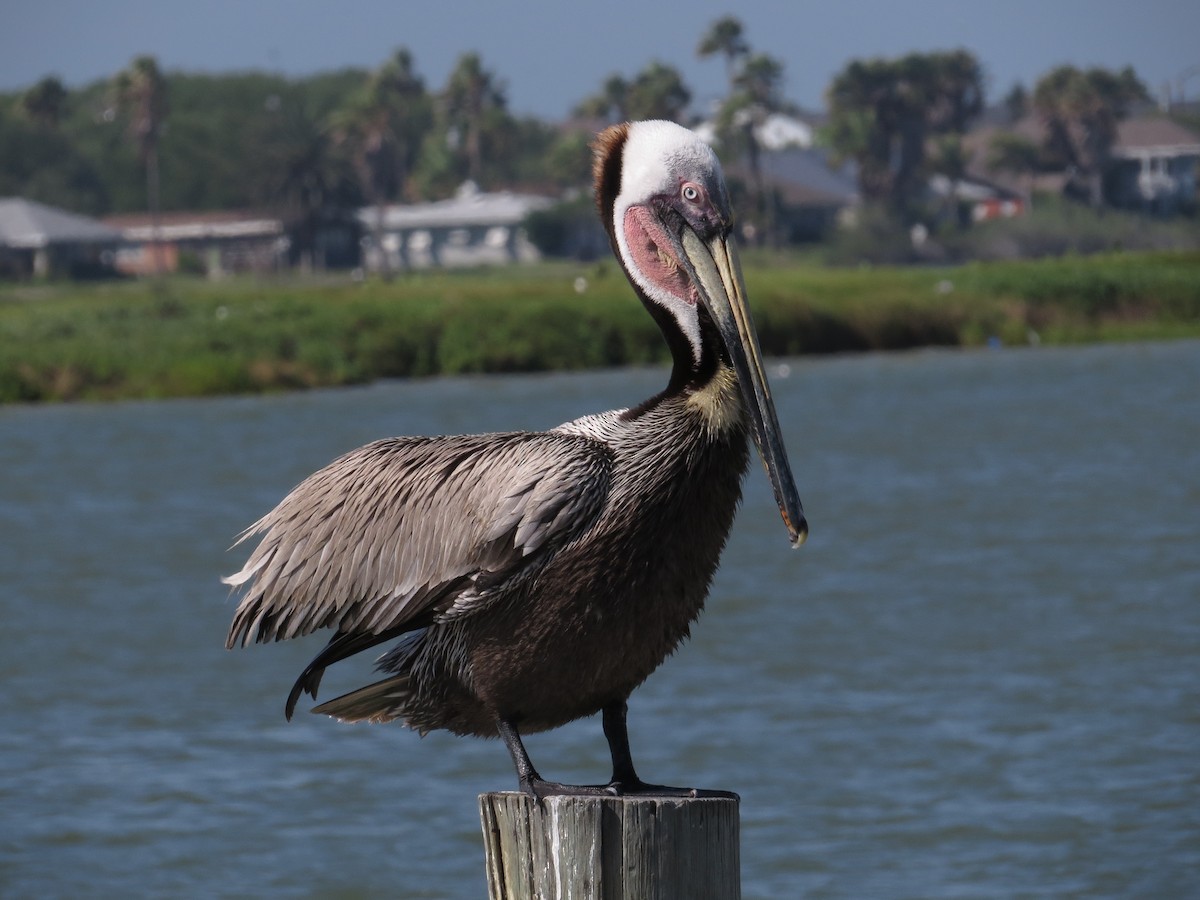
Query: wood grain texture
[[610, 848]]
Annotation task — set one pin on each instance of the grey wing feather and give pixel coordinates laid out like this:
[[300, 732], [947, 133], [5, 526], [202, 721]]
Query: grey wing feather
[[414, 530]]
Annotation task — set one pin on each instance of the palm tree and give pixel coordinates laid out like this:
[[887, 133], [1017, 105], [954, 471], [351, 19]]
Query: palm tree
[[308, 180], [758, 96], [1080, 110], [954, 91], [611, 104], [724, 36], [882, 113], [402, 113], [141, 94], [473, 100], [754, 94], [384, 127], [656, 92]]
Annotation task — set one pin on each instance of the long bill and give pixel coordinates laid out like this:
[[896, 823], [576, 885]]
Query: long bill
[[718, 276]]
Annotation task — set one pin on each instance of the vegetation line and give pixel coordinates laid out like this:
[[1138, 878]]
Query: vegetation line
[[65, 341]]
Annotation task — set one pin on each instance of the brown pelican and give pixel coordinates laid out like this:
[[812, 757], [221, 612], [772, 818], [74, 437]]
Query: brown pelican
[[536, 578]]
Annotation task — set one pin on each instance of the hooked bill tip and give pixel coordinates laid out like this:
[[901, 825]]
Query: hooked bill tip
[[799, 534]]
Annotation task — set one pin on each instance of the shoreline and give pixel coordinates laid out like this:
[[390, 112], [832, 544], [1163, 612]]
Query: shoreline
[[186, 338]]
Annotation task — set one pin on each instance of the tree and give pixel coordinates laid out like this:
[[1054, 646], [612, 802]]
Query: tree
[[883, 113], [44, 163], [760, 81], [947, 157], [43, 103], [657, 92], [398, 113], [611, 104], [1080, 111], [225, 146], [1016, 103], [1017, 155], [475, 105], [568, 161], [755, 82], [383, 127], [230, 134], [756, 95], [724, 36], [298, 169], [141, 94], [310, 183]]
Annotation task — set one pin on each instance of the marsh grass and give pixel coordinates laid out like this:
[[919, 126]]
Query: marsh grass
[[192, 338]]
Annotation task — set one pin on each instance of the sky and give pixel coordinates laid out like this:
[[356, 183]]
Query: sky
[[551, 54]]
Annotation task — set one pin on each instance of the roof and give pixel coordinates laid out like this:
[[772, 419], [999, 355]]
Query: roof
[[29, 225], [1157, 136], [776, 132], [972, 190], [1140, 136], [803, 177], [197, 226], [468, 207]]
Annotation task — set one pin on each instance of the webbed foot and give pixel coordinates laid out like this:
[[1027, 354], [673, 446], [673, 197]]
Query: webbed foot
[[540, 788]]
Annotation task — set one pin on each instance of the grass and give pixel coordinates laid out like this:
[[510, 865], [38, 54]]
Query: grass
[[191, 338]]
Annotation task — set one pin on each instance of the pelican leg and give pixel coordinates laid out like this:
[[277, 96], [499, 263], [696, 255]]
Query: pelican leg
[[625, 779], [527, 776], [617, 733]]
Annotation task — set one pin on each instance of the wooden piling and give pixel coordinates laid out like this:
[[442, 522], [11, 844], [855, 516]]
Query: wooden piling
[[610, 848]]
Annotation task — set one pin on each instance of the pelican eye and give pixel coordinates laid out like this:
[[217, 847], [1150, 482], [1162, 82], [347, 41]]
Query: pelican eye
[[691, 193]]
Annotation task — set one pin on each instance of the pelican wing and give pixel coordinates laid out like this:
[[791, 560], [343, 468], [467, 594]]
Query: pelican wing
[[407, 531]]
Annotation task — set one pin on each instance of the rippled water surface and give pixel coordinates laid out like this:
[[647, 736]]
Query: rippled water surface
[[980, 678]]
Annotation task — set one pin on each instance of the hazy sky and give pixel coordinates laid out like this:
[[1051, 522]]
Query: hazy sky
[[552, 54]]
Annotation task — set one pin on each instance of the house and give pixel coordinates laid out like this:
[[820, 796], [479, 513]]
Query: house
[[1155, 165], [812, 196], [977, 146], [213, 242], [43, 241], [472, 228], [980, 199], [1153, 168], [777, 131]]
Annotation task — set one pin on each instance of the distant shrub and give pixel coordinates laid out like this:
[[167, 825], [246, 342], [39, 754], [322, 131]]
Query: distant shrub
[[194, 337], [1053, 227], [1057, 227], [875, 238], [567, 230]]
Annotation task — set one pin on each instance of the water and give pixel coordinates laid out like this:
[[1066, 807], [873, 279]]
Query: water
[[978, 679]]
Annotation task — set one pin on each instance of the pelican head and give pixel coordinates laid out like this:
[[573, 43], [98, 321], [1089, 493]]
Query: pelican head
[[664, 203]]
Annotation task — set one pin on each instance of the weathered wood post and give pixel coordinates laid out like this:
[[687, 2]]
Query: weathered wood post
[[610, 848]]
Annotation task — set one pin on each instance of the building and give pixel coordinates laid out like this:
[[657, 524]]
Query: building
[[215, 243], [470, 229], [812, 196], [777, 131], [1155, 165], [43, 241], [975, 198]]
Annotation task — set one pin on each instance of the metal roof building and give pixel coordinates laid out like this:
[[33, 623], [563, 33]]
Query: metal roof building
[[41, 240], [471, 228]]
